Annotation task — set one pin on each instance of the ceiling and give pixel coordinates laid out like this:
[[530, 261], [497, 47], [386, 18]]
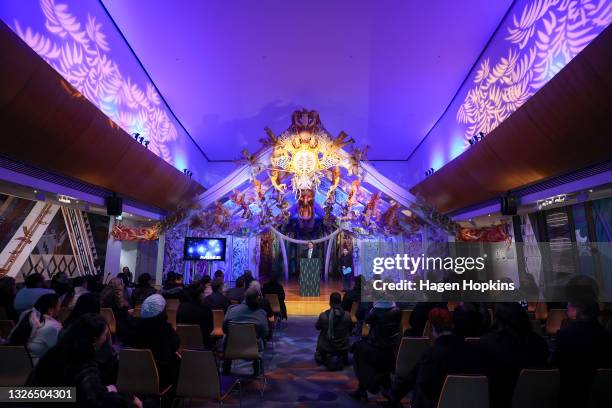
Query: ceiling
[[382, 71]]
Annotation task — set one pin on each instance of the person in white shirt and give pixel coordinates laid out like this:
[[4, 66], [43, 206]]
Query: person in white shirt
[[38, 328], [310, 252]]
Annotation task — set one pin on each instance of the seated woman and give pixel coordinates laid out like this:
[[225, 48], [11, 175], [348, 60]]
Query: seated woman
[[374, 357], [274, 287], [113, 296], [143, 289], [152, 331], [193, 311], [335, 327], [38, 328], [72, 363]]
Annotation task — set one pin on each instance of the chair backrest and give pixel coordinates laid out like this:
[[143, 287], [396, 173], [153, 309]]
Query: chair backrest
[[172, 304], [15, 366], [554, 321], [410, 351], [218, 317], [537, 389], [6, 326], [472, 340], [451, 305], [190, 335], [541, 311], [406, 320], [354, 307], [109, 316], [601, 389], [171, 315], [365, 330], [274, 302], [241, 342], [460, 391], [137, 372], [63, 314], [198, 376]]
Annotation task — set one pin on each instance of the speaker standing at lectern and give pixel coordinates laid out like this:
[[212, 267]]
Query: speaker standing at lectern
[[310, 252]]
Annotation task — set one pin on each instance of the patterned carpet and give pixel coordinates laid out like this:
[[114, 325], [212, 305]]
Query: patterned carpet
[[294, 379]]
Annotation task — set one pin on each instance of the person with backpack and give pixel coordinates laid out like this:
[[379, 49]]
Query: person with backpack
[[334, 327]]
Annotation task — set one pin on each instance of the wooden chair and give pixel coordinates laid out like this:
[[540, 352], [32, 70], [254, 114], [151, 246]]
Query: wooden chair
[[472, 340], [354, 307], [452, 305], [554, 321], [537, 389], [427, 330], [365, 330], [406, 320], [601, 389], [172, 304], [109, 316], [171, 315], [410, 351], [15, 366], [461, 391], [190, 335], [199, 379], [63, 314], [6, 326], [138, 374], [242, 344], [218, 317]]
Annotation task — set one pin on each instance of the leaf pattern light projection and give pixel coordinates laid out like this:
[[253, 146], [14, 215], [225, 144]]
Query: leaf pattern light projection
[[543, 38], [80, 52]]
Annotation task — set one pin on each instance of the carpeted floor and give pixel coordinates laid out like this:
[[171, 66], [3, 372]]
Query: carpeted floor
[[294, 379]]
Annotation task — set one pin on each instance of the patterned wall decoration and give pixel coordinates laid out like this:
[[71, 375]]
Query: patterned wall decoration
[[78, 39], [542, 38], [13, 211]]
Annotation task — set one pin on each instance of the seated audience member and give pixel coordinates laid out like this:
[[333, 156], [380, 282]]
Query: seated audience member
[[8, 289], [583, 345], [334, 327], [206, 285], [263, 302], [152, 331], [236, 294], [87, 303], [72, 363], [172, 286], [248, 311], [38, 328], [143, 289], [60, 284], [79, 285], [449, 354], [419, 317], [248, 278], [113, 296], [27, 296], [511, 346], [94, 282], [217, 300], [471, 319], [219, 275], [274, 287], [374, 357], [193, 311]]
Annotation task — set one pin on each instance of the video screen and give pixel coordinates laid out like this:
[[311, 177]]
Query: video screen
[[204, 249]]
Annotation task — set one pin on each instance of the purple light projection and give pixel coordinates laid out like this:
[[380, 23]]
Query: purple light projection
[[536, 40], [80, 42]]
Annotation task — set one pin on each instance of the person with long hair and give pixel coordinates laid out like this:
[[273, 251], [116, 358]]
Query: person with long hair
[[113, 296], [334, 327], [87, 303], [72, 363], [510, 346], [194, 311], [38, 328]]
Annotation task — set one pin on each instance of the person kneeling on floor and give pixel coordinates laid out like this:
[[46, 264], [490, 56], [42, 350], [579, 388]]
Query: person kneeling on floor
[[335, 327]]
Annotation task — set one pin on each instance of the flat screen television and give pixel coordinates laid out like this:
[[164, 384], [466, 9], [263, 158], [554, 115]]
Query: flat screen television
[[204, 249]]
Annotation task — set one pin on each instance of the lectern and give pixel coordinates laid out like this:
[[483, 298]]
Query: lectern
[[310, 276]]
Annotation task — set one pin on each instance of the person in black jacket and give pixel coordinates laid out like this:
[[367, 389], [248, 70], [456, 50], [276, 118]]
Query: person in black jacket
[[236, 294], [143, 289], [72, 363], [274, 287], [334, 327], [193, 311], [346, 269], [511, 346], [374, 357], [152, 331], [583, 345], [353, 295], [217, 300]]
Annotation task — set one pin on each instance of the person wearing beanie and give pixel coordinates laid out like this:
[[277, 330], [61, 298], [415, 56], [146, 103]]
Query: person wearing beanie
[[152, 331]]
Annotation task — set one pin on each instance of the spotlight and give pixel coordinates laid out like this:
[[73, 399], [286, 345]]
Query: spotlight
[[187, 173], [429, 172], [141, 139], [136, 135], [146, 144], [476, 138]]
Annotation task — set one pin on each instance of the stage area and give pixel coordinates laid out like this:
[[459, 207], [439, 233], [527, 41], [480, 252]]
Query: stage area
[[309, 306]]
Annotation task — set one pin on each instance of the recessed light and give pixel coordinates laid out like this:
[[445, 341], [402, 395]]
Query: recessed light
[[488, 215], [591, 190], [35, 191]]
